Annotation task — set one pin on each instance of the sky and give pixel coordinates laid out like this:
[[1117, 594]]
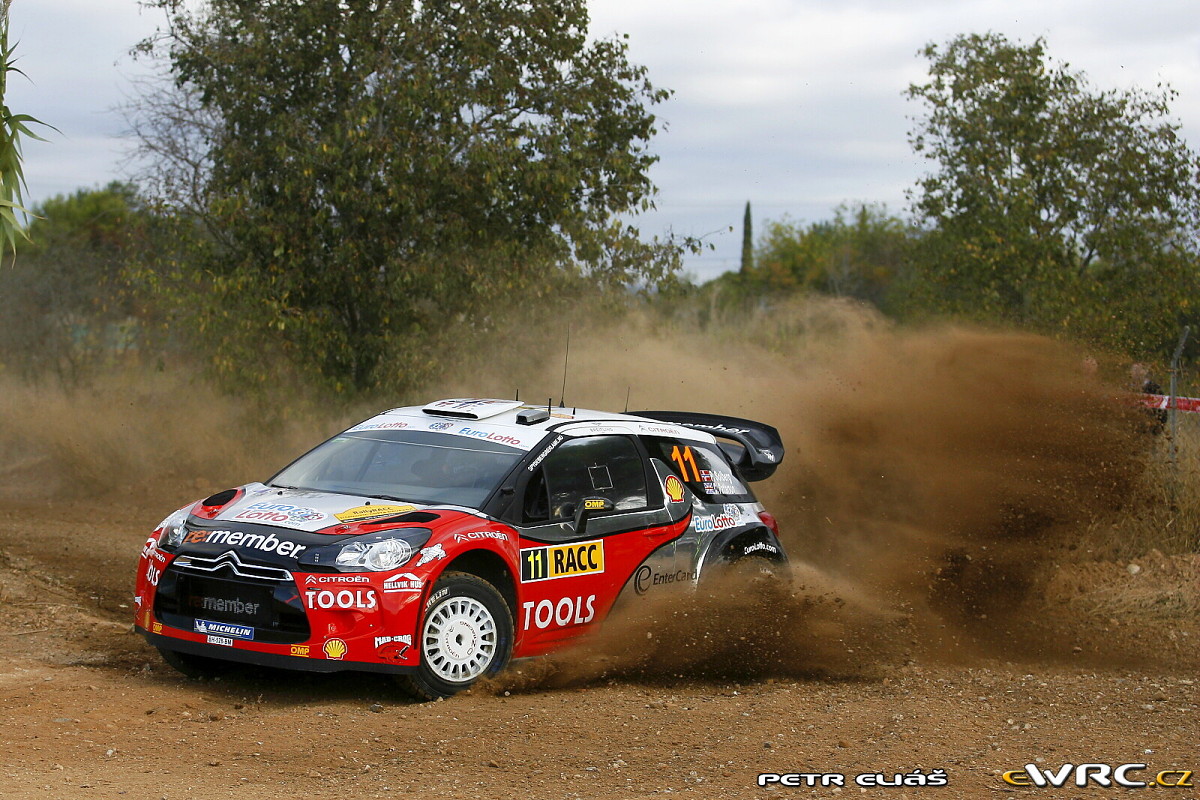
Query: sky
[[796, 106]]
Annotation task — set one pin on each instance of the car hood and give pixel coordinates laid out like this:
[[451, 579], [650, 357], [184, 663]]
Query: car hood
[[311, 511]]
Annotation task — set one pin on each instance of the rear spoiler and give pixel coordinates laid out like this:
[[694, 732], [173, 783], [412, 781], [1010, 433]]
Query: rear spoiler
[[760, 451]]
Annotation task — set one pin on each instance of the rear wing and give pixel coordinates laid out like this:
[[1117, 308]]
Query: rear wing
[[755, 449]]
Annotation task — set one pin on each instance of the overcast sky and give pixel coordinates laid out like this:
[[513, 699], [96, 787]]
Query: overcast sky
[[794, 105]]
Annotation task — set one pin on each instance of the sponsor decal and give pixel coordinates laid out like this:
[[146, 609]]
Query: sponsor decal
[[597, 429], [223, 629], [149, 546], [394, 653], [674, 489], [403, 582], [559, 613], [646, 577], [936, 777], [663, 431], [379, 426], [433, 598], [393, 649], [440, 426], [729, 517], [471, 404], [593, 505], [279, 513], [761, 547], [224, 605], [299, 650], [502, 438], [405, 639], [223, 641], [719, 427], [334, 649], [153, 574], [337, 579], [433, 553], [343, 600], [137, 600], [368, 512], [1106, 775], [542, 455], [562, 561], [156, 627], [474, 535], [269, 543]]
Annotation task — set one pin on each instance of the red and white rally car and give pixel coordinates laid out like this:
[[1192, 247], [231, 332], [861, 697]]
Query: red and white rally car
[[438, 542]]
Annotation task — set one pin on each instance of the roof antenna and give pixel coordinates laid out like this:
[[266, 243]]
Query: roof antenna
[[628, 388], [517, 397], [562, 398]]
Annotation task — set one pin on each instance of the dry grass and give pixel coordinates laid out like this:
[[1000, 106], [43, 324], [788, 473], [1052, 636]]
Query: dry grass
[[1164, 514]]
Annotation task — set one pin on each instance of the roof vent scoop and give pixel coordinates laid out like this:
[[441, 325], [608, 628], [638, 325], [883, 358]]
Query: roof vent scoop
[[468, 408]]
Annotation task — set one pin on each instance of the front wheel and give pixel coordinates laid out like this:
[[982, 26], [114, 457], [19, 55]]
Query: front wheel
[[467, 634]]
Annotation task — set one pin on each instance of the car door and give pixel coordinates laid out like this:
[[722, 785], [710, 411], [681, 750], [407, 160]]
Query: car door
[[572, 569]]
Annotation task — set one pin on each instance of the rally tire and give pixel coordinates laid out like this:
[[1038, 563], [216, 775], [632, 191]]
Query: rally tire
[[466, 634], [193, 666]]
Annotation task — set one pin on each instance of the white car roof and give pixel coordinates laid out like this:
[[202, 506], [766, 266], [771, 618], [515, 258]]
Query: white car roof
[[497, 421]]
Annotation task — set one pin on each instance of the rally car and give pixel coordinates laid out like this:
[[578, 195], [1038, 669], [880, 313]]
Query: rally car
[[438, 542]]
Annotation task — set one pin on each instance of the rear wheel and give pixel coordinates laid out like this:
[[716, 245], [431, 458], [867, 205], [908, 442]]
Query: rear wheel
[[466, 634]]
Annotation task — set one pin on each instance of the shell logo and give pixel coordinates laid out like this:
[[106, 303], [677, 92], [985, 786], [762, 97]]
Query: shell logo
[[674, 489], [334, 649]]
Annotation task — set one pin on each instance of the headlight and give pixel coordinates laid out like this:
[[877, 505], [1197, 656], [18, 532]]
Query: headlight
[[173, 528], [372, 552], [375, 556]]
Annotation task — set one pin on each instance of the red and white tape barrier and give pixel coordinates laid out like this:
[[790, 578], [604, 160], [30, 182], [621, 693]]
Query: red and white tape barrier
[[1162, 402]]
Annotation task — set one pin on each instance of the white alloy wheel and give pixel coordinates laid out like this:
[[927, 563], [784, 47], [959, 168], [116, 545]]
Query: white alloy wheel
[[460, 639]]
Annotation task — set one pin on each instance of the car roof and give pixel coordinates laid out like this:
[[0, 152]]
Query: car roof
[[519, 424]]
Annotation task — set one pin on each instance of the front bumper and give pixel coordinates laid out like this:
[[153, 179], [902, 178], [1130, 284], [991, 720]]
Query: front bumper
[[275, 660], [230, 609]]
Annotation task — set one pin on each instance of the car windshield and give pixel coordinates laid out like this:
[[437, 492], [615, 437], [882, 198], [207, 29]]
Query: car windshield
[[417, 466]]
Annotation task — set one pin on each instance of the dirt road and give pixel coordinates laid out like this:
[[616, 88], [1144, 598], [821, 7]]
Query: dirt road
[[89, 711]]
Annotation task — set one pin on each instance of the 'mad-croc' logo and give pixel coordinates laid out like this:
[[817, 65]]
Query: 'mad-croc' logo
[[674, 489], [334, 649]]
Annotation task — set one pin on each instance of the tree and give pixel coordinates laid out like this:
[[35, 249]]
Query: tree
[[375, 172], [1051, 202], [65, 305], [12, 128], [856, 254], [747, 242]]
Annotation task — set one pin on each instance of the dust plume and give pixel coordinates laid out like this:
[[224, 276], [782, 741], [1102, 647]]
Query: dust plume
[[157, 437], [930, 476]]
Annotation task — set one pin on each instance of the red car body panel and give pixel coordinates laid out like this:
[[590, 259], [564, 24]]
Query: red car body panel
[[374, 617]]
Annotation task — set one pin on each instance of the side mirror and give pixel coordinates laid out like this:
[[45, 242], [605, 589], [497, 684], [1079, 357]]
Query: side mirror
[[588, 508]]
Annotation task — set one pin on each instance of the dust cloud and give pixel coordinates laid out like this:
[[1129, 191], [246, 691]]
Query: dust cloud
[[930, 475]]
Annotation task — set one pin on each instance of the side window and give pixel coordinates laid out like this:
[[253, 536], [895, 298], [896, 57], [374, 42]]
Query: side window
[[703, 468], [596, 466]]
